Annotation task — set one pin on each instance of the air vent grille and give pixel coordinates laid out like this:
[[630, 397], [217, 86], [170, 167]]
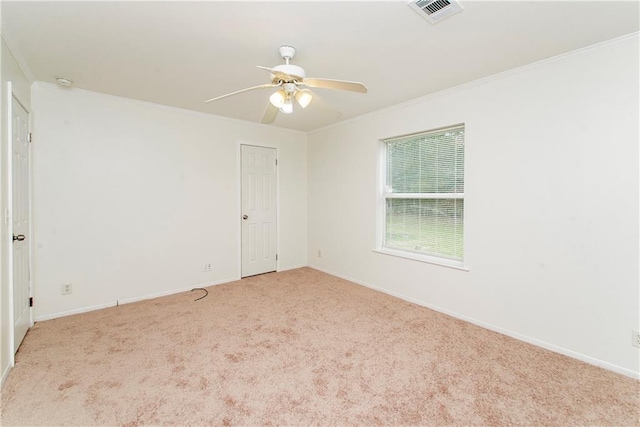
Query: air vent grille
[[432, 6], [435, 10]]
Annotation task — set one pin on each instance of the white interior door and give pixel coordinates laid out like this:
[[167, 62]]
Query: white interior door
[[259, 214], [20, 221]]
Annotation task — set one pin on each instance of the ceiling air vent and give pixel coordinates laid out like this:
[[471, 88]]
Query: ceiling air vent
[[435, 10]]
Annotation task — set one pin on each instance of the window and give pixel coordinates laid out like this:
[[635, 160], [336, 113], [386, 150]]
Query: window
[[423, 195]]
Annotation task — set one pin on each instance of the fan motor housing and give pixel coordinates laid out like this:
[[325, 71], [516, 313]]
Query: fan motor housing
[[292, 70]]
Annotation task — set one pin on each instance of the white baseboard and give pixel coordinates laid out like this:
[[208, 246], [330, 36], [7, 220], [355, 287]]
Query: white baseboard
[[174, 291], [292, 268], [5, 374], [75, 311], [556, 349], [129, 300]]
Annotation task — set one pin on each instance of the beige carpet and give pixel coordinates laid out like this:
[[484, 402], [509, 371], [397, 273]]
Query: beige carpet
[[298, 348]]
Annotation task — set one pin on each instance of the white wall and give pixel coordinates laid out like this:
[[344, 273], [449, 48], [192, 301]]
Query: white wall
[[11, 72], [131, 199], [551, 210]]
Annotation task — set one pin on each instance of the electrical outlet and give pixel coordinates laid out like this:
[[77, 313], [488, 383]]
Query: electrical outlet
[[635, 337], [208, 266], [319, 253], [67, 288]]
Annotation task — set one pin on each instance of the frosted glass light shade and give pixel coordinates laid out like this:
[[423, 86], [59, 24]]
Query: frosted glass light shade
[[304, 97], [278, 98], [287, 107]]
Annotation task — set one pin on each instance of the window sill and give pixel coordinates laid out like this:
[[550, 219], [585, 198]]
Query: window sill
[[457, 265]]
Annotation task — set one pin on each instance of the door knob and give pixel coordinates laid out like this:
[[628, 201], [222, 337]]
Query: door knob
[[19, 237], [245, 217]]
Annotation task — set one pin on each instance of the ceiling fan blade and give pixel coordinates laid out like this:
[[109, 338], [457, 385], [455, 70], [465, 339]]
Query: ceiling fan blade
[[242, 90], [335, 84], [270, 114], [279, 74]]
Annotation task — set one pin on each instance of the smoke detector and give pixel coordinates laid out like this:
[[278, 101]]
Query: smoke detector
[[62, 81], [435, 11]]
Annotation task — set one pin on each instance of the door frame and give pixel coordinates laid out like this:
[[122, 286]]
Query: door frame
[[239, 203], [8, 217]]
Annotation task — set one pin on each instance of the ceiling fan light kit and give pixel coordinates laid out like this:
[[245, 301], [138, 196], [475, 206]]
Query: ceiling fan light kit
[[289, 78], [304, 97], [278, 98], [287, 107]]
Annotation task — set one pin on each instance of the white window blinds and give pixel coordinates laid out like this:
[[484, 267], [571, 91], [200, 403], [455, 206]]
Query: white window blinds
[[424, 193]]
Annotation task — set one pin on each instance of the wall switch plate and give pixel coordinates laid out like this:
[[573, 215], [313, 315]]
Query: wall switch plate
[[319, 253], [67, 288], [635, 337], [208, 266]]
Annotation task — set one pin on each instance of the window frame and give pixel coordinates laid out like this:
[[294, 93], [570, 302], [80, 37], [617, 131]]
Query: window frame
[[381, 211]]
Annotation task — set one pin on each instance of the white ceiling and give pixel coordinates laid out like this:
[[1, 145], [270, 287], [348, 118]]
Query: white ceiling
[[182, 53]]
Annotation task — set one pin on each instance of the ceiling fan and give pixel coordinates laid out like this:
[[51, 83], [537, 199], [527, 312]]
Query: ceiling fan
[[292, 82]]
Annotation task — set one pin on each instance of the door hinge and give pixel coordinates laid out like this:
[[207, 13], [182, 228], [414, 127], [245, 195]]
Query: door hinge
[[276, 162], [30, 301], [276, 257], [29, 137]]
